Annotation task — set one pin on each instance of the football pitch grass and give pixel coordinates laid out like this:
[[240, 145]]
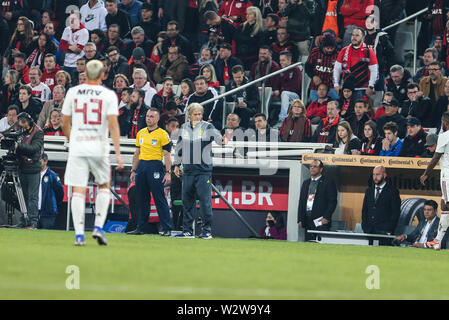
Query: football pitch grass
[[33, 265]]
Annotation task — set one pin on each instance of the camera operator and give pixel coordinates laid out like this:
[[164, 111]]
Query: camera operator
[[28, 150]]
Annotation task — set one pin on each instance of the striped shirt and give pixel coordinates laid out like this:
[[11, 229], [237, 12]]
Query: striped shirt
[[322, 66]]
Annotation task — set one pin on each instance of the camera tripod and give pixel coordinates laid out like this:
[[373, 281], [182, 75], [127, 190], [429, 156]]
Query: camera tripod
[[11, 171]]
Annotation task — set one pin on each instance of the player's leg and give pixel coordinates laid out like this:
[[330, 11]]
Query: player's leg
[[444, 217]]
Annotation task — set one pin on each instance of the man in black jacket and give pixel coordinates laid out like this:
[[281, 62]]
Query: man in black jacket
[[119, 64], [398, 81], [176, 39], [414, 143], [139, 40], [381, 205], [138, 111], [119, 17], [391, 114], [317, 202], [224, 64], [420, 107], [149, 22], [222, 26], [27, 103]]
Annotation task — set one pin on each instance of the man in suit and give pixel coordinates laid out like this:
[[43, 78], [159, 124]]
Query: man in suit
[[381, 205], [317, 201], [426, 230]]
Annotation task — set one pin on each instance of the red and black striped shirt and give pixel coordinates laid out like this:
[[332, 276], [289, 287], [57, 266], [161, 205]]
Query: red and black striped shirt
[[322, 66], [438, 18]]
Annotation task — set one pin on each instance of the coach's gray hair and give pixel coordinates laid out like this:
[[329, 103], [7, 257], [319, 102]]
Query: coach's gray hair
[[92, 45], [137, 30], [192, 107], [397, 68], [141, 71]]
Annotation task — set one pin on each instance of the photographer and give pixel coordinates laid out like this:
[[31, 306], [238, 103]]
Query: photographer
[[28, 150]]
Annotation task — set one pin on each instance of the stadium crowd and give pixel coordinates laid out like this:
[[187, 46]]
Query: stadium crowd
[[167, 54]]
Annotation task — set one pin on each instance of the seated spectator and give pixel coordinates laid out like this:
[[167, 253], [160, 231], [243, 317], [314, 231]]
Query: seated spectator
[[91, 53], [224, 64], [434, 83], [133, 8], [93, 15], [98, 38], [265, 65], [430, 145], [205, 58], [50, 69], [82, 78], [391, 144], [118, 17], [264, 132], [80, 68], [208, 72], [381, 205], [140, 81], [296, 127], [138, 111], [247, 100], [10, 90], [346, 142], [114, 40], [149, 22], [29, 104], [21, 38], [317, 110], [397, 82], [381, 109], [124, 112], [274, 227], [232, 131], [347, 99], [419, 106], [54, 128], [187, 89], [413, 145], [289, 85], [21, 67], [270, 33], [138, 57], [213, 44], [50, 105], [430, 55], [358, 119], [283, 44], [156, 52], [392, 115], [326, 132], [171, 111], [165, 95], [119, 64], [320, 66], [120, 82], [10, 118], [172, 65], [175, 39], [213, 111], [221, 25], [172, 127], [40, 48], [371, 142], [40, 89], [63, 78], [426, 230], [139, 40]]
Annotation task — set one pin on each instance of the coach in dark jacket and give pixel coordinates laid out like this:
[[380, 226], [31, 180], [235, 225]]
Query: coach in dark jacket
[[381, 205], [318, 198]]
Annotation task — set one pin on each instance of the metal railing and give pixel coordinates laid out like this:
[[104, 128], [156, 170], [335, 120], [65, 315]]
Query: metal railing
[[415, 33]]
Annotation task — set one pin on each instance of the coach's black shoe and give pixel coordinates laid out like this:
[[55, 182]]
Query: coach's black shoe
[[136, 233]]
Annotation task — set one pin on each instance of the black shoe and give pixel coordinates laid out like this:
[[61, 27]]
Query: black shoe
[[166, 233], [135, 233]]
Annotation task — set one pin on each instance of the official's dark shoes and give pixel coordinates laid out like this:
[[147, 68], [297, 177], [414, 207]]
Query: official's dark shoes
[[135, 232]]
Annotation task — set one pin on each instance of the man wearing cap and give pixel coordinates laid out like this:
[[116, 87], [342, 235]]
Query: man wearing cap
[[148, 23], [414, 143], [392, 115], [223, 65], [138, 57], [430, 145]]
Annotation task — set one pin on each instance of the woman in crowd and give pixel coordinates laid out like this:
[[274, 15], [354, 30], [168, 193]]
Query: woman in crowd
[[249, 37], [164, 95], [99, 39], [10, 90], [347, 99], [208, 71], [120, 82], [21, 39], [40, 47], [156, 53], [371, 142], [64, 79], [347, 142], [296, 127], [54, 128], [274, 227], [187, 89]]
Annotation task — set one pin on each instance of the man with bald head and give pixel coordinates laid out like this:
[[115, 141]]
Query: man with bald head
[[381, 205]]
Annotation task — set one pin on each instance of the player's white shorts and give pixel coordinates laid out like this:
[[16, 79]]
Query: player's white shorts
[[444, 182], [78, 168]]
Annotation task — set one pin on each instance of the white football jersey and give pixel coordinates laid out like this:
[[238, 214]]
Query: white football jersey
[[443, 147], [89, 106]]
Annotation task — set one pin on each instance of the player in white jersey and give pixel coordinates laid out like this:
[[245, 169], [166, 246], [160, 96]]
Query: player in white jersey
[[441, 155], [89, 112]]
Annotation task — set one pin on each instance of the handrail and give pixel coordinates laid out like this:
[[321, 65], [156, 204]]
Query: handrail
[[297, 64], [406, 19]]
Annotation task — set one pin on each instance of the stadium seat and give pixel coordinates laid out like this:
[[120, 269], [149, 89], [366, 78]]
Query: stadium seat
[[409, 209], [228, 108], [430, 130], [358, 228], [268, 93], [338, 225], [403, 45]]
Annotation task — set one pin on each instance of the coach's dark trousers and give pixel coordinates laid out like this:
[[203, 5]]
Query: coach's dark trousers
[[30, 187], [149, 176], [195, 187]]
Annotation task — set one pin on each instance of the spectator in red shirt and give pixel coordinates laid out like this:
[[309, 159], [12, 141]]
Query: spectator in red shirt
[[317, 110], [54, 128], [50, 70], [381, 109], [235, 10], [355, 13], [21, 67]]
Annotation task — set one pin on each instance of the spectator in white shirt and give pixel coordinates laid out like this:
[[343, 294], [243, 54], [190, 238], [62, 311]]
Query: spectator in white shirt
[[10, 119], [40, 89], [140, 79]]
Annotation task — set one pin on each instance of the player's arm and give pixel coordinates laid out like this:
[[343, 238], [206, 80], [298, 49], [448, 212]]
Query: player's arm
[[432, 164], [135, 164], [114, 129], [66, 125]]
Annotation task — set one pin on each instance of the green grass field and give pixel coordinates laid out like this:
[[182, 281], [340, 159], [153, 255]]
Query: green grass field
[[33, 266]]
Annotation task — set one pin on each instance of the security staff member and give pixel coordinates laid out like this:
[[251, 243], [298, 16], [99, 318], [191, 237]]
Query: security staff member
[[194, 152], [149, 174]]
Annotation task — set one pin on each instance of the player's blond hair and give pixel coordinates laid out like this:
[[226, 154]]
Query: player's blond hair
[[94, 68]]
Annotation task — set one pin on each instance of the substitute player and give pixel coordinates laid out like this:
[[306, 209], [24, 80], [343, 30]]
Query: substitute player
[[441, 155], [89, 112]]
